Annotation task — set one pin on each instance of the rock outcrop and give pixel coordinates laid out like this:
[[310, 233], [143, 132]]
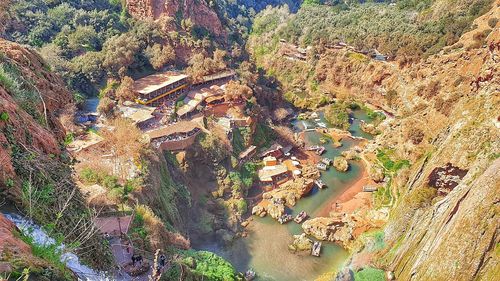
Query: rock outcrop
[[369, 128], [290, 191], [340, 163], [301, 244], [336, 229], [198, 12]]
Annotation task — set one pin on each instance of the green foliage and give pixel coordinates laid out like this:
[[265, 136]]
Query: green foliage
[[4, 116], [202, 265], [69, 138], [263, 135], [311, 2], [21, 90], [248, 173], [48, 252], [369, 274], [337, 115], [90, 176], [368, 25], [383, 196], [241, 206], [374, 240], [138, 228], [390, 165]]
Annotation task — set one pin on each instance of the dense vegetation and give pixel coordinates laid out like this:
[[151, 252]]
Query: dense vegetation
[[88, 41], [410, 28]]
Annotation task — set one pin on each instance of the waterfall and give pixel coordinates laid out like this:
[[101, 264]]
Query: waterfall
[[40, 237]]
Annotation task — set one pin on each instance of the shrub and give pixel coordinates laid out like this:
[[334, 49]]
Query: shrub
[[109, 182], [420, 197], [89, 176], [241, 206], [4, 116], [492, 22]]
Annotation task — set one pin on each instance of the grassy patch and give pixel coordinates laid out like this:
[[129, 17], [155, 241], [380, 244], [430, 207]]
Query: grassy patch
[[391, 166], [369, 274]]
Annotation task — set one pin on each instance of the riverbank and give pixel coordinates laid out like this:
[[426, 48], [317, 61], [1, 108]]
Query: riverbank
[[352, 199]]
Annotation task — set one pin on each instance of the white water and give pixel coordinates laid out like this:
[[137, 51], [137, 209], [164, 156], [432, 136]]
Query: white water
[[29, 228]]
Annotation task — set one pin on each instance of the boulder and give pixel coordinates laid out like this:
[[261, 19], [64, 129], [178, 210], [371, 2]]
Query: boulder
[[335, 229], [377, 173], [350, 154], [368, 128], [258, 210], [340, 163], [301, 243], [276, 210]]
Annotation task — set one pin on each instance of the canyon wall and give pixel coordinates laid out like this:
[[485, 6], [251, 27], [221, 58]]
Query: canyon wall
[[445, 112], [198, 11]]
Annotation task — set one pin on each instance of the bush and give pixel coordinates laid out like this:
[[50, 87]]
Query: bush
[[203, 266], [338, 116], [369, 274], [241, 206], [4, 116], [89, 176], [492, 22], [109, 182]]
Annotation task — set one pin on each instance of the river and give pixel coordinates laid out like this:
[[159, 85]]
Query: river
[[265, 249]]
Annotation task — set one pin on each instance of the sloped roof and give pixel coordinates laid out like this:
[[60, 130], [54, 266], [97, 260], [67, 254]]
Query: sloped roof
[[156, 81]]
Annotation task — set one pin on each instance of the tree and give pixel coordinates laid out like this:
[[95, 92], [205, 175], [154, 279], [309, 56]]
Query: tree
[[219, 59], [106, 106], [159, 55], [125, 141], [83, 38], [126, 91], [119, 51], [235, 90]]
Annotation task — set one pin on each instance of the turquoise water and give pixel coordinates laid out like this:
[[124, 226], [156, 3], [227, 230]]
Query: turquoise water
[[266, 247]]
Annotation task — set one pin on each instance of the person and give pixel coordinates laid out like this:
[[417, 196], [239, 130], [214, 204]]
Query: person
[[162, 260], [134, 259]]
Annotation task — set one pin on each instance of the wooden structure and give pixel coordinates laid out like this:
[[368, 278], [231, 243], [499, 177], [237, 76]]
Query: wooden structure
[[154, 89]]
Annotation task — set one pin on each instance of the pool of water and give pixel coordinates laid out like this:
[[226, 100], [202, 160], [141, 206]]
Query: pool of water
[[266, 247], [90, 105]]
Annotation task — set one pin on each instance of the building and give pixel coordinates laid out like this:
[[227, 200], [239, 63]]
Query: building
[[178, 136], [248, 153], [154, 89], [274, 175], [141, 115], [270, 161], [275, 151], [217, 77]]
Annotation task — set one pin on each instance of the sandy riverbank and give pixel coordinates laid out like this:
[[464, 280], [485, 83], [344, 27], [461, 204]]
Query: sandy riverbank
[[351, 199]]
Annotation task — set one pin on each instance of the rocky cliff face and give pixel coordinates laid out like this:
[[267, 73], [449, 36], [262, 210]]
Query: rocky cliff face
[[453, 100], [35, 170], [198, 11], [33, 121], [445, 111]]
